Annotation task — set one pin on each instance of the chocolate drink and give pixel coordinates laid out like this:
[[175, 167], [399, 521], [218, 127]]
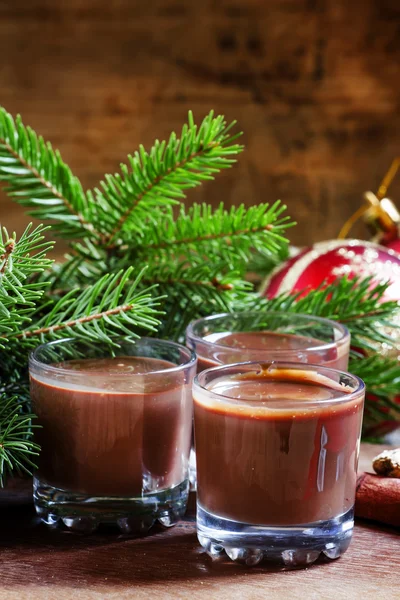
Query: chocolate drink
[[270, 459], [105, 435], [260, 345]]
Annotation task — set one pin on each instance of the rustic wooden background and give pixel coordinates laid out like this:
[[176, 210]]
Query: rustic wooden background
[[314, 85]]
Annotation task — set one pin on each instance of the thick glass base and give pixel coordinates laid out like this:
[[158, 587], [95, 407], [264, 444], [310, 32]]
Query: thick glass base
[[295, 546], [80, 512]]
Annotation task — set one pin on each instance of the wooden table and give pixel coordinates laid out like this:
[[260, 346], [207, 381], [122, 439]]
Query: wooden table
[[37, 563]]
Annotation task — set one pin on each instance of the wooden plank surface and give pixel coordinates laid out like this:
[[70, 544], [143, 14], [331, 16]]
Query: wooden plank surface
[[37, 563], [313, 84]]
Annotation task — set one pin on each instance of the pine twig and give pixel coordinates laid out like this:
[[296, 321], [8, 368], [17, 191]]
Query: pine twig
[[229, 235], [157, 179], [36, 177], [380, 375], [97, 312], [179, 165], [76, 322], [16, 445], [358, 303], [46, 184], [19, 261]]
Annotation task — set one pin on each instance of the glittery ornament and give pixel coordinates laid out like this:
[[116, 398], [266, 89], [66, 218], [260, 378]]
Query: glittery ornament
[[326, 261]]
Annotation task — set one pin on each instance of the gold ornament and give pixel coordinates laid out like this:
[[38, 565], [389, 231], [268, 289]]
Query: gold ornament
[[379, 212]]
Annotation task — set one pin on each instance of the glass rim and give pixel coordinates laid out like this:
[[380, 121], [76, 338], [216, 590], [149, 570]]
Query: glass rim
[[191, 357], [281, 351], [197, 383]]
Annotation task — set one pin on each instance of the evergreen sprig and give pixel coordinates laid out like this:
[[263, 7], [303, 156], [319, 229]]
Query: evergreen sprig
[[156, 179], [198, 258], [357, 303], [201, 232], [17, 448], [381, 376], [19, 260], [97, 313], [382, 380], [36, 177]]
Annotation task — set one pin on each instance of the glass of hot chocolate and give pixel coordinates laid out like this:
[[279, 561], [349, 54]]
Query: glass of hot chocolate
[[115, 430], [237, 337], [277, 449]]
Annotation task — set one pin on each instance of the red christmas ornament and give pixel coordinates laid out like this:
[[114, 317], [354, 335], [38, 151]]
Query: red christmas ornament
[[326, 261]]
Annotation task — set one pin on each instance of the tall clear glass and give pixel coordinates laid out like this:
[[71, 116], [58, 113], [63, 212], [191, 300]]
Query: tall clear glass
[[115, 429], [277, 450]]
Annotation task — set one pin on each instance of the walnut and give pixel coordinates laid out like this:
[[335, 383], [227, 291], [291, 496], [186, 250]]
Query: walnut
[[387, 463]]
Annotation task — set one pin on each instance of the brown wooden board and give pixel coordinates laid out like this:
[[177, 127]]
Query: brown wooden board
[[38, 563]]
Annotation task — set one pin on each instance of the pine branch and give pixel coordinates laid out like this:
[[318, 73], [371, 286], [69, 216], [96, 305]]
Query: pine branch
[[380, 375], [353, 302], [187, 291], [19, 260], [177, 253], [193, 291], [261, 265], [226, 235], [201, 278], [36, 177], [86, 263], [16, 446], [382, 379], [157, 179], [97, 312]]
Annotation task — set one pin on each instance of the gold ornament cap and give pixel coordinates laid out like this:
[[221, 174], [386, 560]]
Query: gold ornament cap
[[379, 212], [381, 217]]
